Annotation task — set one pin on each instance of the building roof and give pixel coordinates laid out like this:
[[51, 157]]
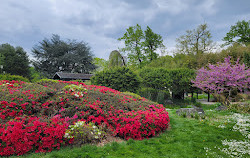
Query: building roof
[[63, 75]]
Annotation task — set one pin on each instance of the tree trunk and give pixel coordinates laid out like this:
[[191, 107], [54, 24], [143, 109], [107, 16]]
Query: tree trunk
[[208, 96]]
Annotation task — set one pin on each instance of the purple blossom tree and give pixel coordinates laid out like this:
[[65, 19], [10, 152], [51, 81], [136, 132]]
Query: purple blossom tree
[[223, 78]]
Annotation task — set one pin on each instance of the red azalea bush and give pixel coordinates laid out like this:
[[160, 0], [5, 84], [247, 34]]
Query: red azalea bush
[[24, 134], [34, 117]]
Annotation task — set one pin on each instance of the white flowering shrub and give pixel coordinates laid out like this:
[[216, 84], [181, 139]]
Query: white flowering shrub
[[238, 148], [83, 133], [74, 88]]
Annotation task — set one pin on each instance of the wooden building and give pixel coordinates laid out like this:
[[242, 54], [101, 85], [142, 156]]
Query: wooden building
[[71, 76]]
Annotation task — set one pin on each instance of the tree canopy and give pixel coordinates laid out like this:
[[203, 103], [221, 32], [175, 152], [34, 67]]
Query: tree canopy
[[195, 41], [14, 60], [239, 33], [223, 78], [58, 55], [116, 59], [141, 45]]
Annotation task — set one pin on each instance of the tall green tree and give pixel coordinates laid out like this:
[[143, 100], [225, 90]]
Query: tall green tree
[[101, 64], [196, 41], [58, 55], [15, 61], [239, 33], [152, 42], [133, 39], [116, 59]]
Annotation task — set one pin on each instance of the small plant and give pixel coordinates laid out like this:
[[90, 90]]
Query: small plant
[[196, 116], [217, 104], [192, 115], [84, 133], [73, 87], [203, 117], [184, 114], [136, 96]]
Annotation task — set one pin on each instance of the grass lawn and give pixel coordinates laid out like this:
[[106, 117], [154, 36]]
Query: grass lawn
[[187, 137]]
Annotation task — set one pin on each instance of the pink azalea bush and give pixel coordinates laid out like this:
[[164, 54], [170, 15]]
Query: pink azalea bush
[[223, 78], [34, 117]]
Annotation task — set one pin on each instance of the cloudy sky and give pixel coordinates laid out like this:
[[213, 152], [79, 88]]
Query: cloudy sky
[[101, 22]]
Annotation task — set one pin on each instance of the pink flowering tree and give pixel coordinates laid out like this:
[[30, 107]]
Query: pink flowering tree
[[223, 78]]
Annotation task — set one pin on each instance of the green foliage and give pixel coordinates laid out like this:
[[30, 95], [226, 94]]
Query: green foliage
[[55, 54], [240, 107], [163, 62], [133, 95], [100, 63], [152, 42], [158, 82], [10, 77], [14, 60], [181, 81], [45, 80], [141, 46], [73, 87], [195, 41], [156, 78], [84, 133], [156, 95], [236, 51], [122, 79], [35, 75], [239, 33], [116, 59], [133, 44]]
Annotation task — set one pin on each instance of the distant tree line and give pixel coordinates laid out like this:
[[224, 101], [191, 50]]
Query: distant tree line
[[160, 75]]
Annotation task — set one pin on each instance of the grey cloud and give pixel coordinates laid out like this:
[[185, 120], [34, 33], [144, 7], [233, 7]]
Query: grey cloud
[[101, 22]]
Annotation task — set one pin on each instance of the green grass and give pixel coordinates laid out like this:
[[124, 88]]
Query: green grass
[[187, 137]]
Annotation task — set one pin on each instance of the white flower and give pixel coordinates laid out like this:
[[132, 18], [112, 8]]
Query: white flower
[[96, 137], [66, 135]]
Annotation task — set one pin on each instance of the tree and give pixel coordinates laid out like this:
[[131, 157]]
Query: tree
[[101, 64], [239, 33], [152, 42], [163, 62], [195, 41], [14, 60], [119, 78], [223, 78], [116, 59], [57, 55], [133, 44], [181, 82]]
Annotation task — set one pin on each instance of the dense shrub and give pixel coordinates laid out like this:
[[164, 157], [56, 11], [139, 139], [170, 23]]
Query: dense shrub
[[158, 81], [156, 78], [24, 134], [159, 96], [13, 77], [181, 82], [84, 133], [48, 108], [122, 79]]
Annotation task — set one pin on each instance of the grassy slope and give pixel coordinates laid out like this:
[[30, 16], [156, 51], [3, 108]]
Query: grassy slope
[[186, 138]]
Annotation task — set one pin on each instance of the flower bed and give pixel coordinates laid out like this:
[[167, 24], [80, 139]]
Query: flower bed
[[34, 117]]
